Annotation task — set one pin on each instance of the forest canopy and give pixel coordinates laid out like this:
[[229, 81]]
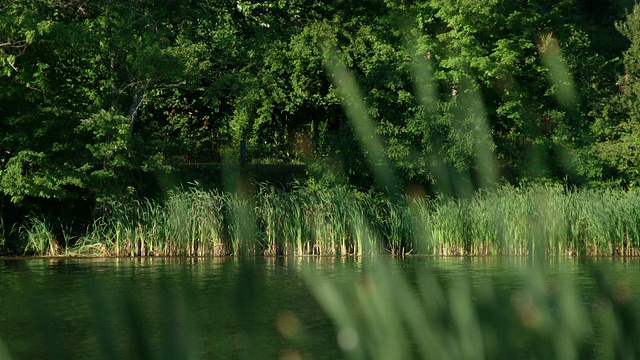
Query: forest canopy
[[95, 93]]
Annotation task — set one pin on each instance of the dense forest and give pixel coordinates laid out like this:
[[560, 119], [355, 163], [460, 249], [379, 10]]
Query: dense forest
[[100, 99]]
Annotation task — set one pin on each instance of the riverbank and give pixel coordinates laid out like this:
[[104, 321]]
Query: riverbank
[[544, 220]]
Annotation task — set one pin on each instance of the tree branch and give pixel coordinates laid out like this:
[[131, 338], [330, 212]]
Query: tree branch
[[15, 44]]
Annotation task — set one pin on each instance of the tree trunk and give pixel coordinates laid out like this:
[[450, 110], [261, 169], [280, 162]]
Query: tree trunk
[[135, 104]]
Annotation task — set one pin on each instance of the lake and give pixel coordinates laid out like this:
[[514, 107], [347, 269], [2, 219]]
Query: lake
[[203, 308]]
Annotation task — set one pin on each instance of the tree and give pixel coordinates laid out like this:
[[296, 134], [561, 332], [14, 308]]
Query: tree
[[77, 77], [617, 130]]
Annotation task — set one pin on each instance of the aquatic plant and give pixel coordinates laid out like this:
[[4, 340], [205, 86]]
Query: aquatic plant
[[545, 220], [39, 237]]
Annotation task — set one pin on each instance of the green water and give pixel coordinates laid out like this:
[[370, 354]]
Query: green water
[[157, 308], [180, 308]]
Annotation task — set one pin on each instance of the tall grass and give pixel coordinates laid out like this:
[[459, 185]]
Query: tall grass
[[39, 237], [308, 221], [544, 220], [188, 223], [3, 233]]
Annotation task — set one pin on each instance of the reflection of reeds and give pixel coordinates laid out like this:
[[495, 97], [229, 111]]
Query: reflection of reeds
[[420, 307]]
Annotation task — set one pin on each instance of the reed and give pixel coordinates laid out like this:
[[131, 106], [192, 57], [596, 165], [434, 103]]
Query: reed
[[194, 218], [293, 228], [3, 233], [239, 211], [40, 239], [544, 220]]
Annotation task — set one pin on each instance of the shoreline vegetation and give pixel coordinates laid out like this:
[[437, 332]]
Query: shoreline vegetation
[[535, 220], [527, 94]]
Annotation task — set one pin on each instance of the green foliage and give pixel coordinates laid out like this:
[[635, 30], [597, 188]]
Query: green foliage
[[618, 133], [35, 174], [110, 133], [77, 77]]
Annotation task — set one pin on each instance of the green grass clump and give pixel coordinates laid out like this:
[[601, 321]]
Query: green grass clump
[[39, 237]]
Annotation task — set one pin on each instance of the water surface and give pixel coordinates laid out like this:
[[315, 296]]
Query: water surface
[[72, 308]]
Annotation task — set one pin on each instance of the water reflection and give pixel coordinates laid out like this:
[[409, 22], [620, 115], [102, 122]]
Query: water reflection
[[253, 308], [157, 307]]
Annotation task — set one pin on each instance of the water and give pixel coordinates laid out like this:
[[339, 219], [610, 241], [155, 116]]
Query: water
[[157, 308], [70, 308]]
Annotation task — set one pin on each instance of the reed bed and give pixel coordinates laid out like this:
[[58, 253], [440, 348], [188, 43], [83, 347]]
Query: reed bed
[[546, 220]]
